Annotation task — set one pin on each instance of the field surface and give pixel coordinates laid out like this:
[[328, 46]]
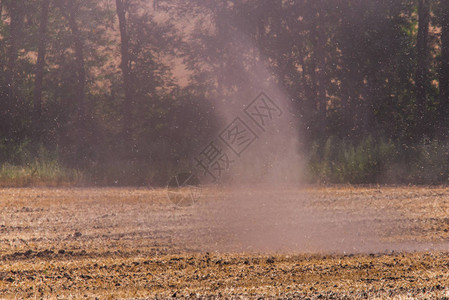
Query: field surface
[[334, 242]]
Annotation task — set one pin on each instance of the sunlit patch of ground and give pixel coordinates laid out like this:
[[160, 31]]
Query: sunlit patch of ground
[[135, 243]]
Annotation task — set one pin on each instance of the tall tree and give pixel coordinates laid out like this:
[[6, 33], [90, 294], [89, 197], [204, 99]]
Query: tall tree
[[79, 55], [71, 10], [421, 78], [11, 121], [37, 103], [15, 30], [121, 9], [443, 110], [318, 70]]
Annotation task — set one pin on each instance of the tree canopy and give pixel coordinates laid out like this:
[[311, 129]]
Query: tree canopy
[[128, 87]]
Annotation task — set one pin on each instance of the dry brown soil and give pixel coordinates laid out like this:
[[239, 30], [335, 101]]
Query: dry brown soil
[[321, 242]]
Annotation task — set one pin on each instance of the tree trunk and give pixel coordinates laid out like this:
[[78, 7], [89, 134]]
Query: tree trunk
[[15, 29], [70, 10], [37, 109], [80, 70], [421, 79], [443, 110], [318, 71], [124, 65]]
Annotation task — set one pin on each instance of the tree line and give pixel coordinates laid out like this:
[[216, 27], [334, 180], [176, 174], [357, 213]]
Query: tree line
[[123, 88]]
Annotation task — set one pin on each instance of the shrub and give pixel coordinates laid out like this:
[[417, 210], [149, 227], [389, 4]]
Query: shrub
[[371, 161]]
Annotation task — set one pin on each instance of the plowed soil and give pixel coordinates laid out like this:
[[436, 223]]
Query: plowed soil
[[333, 242]]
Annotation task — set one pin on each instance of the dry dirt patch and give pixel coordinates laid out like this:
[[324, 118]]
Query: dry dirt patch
[[321, 242]]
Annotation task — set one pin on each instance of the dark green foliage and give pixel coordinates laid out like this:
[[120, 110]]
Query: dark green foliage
[[352, 69], [381, 161]]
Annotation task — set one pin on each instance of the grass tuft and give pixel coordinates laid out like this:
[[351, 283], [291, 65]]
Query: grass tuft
[[39, 173]]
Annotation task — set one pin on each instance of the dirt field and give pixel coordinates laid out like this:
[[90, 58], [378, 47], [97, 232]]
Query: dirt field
[[339, 242]]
